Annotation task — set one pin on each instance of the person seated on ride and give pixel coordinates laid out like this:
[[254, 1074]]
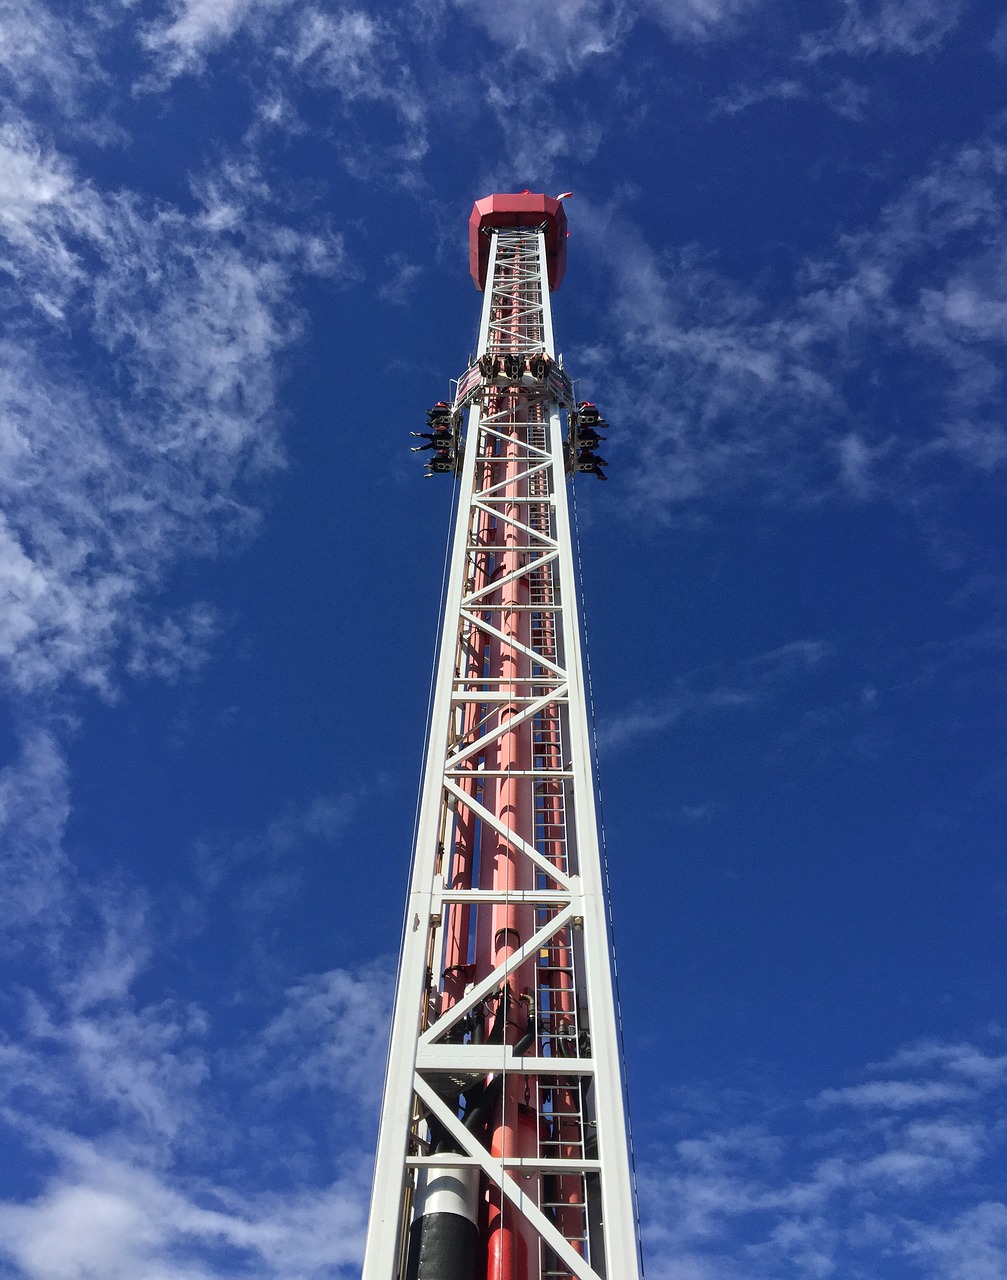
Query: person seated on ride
[[588, 461], [593, 467], [439, 440], [443, 460], [589, 438]]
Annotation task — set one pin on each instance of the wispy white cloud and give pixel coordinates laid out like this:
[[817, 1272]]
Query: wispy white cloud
[[998, 45], [738, 389], [83, 1044], [558, 39], [105, 481], [399, 288], [707, 365], [54, 58], [112, 948], [142, 1066], [172, 646], [713, 690], [34, 806], [960, 1060], [972, 1246], [267, 866], [324, 818], [331, 1034], [701, 19], [45, 213], [564, 39], [125, 1094], [103, 1215], [360, 58], [252, 878], [858, 462], [147, 1068], [181, 40], [892, 1095], [572, 42], [846, 97], [742, 97], [899, 1176], [537, 143], [886, 27], [120, 1204], [352, 56]]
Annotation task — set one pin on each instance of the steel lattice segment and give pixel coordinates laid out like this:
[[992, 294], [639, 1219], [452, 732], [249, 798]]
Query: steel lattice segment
[[502, 1149]]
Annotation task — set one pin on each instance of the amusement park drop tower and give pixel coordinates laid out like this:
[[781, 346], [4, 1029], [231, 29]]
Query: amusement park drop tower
[[502, 1150]]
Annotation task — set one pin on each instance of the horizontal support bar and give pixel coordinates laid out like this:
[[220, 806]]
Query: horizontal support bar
[[501, 696], [551, 607], [536, 680], [529, 897], [547, 775], [530, 1164], [488, 1059], [485, 498]]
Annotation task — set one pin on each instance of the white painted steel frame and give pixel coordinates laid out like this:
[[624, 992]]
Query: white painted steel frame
[[568, 902]]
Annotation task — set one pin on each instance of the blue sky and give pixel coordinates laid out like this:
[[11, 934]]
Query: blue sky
[[234, 267]]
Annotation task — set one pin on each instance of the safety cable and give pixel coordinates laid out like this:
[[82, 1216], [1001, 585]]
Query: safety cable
[[605, 870]]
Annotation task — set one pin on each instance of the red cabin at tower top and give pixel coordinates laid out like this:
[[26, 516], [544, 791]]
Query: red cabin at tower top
[[518, 210]]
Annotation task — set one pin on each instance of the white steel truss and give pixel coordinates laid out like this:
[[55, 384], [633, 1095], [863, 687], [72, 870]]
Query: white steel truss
[[503, 1099]]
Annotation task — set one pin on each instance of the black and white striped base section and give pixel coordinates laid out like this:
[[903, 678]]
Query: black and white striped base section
[[444, 1238]]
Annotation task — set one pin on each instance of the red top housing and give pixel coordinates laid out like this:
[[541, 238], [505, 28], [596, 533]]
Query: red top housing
[[524, 210]]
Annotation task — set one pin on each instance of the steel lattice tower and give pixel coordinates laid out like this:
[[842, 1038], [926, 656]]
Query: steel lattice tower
[[502, 1150]]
